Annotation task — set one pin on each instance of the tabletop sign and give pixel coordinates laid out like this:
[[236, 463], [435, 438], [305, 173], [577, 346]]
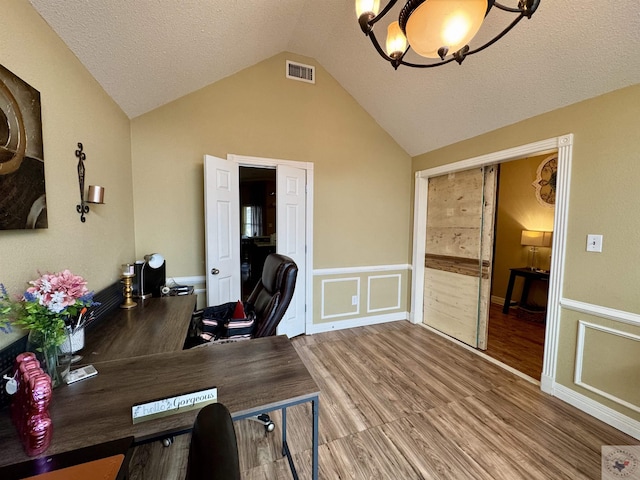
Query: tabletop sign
[[141, 412]]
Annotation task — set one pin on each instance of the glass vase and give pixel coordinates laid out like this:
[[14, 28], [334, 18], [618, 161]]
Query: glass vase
[[54, 360]]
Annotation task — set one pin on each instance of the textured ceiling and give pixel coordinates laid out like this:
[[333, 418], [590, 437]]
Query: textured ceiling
[[146, 53]]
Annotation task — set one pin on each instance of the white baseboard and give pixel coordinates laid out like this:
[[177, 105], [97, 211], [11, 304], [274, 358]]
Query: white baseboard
[[607, 415], [191, 280], [547, 384], [497, 300], [356, 322]]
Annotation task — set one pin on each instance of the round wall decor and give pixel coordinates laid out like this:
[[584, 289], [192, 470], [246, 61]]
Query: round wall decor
[[545, 182]]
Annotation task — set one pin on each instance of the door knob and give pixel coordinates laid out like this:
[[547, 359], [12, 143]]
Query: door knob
[[215, 271]]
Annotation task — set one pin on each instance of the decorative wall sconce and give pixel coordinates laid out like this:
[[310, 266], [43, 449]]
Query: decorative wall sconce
[[95, 193]]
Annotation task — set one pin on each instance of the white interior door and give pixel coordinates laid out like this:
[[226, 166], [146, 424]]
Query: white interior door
[[222, 229], [291, 240]]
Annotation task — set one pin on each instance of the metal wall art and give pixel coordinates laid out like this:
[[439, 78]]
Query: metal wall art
[[22, 191], [545, 182]]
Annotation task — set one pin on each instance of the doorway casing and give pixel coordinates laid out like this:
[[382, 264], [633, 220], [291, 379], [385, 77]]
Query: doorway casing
[[564, 146], [259, 162]]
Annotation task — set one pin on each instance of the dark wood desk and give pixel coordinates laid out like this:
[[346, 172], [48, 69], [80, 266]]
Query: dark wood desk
[[252, 377], [528, 276], [156, 325]]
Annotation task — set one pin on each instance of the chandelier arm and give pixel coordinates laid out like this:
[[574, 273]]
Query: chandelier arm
[[497, 37], [529, 8], [425, 65], [384, 11], [507, 9], [378, 48]]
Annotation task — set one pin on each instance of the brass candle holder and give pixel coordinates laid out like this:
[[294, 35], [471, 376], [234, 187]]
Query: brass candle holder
[[127, 280]]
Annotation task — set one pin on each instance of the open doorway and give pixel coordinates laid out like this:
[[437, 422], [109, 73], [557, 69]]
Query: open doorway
[[294, 223], [257, 223], [563, 145], [525, 217]]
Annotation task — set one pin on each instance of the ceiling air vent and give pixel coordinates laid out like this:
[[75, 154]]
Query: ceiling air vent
[[299, 71]]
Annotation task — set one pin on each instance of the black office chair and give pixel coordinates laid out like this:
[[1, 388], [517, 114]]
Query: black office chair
[[263, 310], [213, 453]]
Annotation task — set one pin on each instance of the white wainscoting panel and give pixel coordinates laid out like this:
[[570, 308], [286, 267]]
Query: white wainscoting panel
[[580, 372], [384, 279], [326, 286]]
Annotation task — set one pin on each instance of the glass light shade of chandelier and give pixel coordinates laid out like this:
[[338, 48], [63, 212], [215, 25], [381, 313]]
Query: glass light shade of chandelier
[[367, 7], [396, 41], [444, 23], [437, 30]]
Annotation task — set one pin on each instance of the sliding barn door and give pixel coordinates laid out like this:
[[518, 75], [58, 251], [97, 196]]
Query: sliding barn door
[[459, 252]]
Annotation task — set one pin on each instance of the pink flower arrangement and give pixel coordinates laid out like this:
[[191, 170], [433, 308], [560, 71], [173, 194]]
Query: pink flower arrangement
[[59, 291], [52, 303]]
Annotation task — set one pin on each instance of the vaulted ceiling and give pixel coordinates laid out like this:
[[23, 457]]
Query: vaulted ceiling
[[146, 53]]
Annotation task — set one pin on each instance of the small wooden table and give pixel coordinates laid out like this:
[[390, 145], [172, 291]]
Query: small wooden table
[[528, 275]]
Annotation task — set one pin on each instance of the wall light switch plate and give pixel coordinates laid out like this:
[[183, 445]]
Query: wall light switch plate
[[354, 300], [594, 243]]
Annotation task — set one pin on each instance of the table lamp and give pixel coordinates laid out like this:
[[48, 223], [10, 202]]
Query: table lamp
[[152, 276], [535, 239]]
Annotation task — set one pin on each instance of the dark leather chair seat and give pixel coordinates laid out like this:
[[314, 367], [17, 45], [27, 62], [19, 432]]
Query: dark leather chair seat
[[213, 452], [264, 308]]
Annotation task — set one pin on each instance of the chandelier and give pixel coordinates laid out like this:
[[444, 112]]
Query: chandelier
[[435, 29]]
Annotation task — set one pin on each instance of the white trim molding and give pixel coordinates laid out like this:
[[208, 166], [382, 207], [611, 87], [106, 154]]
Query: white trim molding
[[497, 300], [595, 409], [582, 327], [245, 160], [602, 312], [322, 297], [190, 280], [358, 322], [352, 270]]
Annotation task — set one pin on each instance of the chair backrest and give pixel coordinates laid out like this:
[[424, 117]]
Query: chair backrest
[[213, 453], [272, 295]]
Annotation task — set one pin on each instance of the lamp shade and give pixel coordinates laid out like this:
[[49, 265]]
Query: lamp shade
[[396, 41], [444, 23], [367, 6], [154, 260], [533, 238], [95, 194]]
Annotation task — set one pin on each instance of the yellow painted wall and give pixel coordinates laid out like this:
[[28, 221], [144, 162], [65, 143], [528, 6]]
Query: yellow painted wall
[[604, 198], [362, 184], [74, 109]]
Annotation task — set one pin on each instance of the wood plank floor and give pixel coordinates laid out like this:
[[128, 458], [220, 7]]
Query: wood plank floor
[[516, 341], [400, 402]]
